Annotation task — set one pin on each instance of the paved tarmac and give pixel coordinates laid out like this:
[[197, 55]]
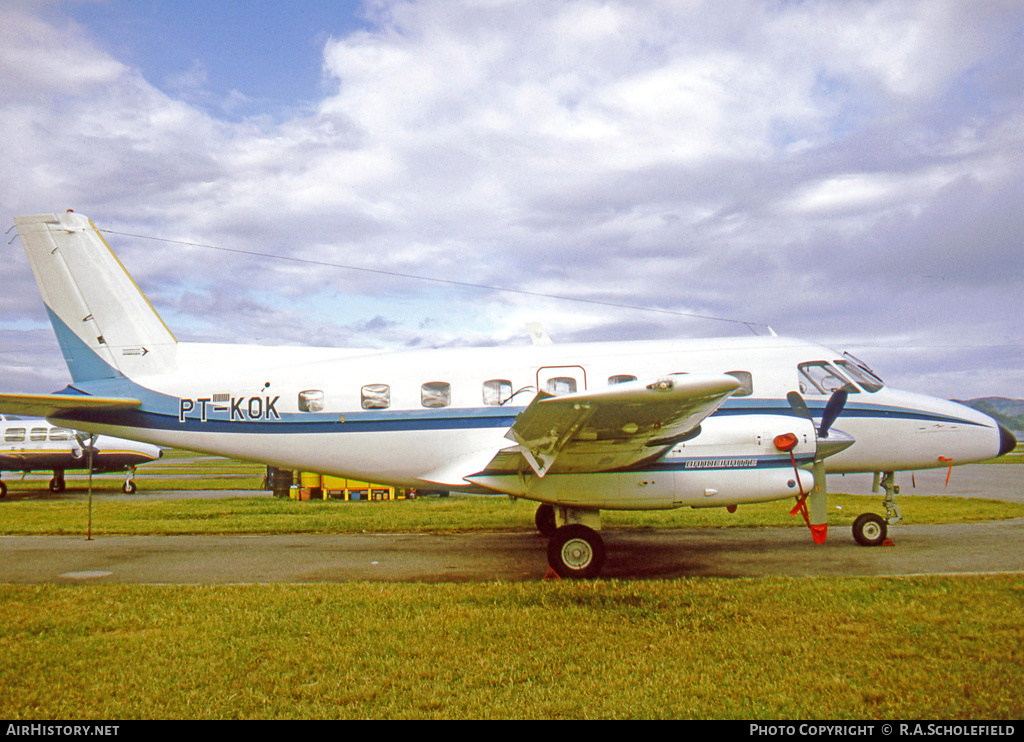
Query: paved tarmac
[[989, 481], [988, 548]]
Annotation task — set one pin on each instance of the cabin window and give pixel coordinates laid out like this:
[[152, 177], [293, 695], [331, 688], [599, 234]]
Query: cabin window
[[60, 434], [436, 394], [37, 434], [746, 381], [821, 377], [561, 385], [620, 379], [14, 435], [311, 400], [862, 376], [497, 392], [376, 397]]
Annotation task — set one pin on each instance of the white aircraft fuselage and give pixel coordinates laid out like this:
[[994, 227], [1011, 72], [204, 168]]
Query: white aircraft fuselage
[[244, 402]]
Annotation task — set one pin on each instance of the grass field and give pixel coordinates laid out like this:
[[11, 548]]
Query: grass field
[[915, 648], [772, 648]]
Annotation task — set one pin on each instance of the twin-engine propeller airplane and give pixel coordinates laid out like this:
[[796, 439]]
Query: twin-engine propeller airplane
[[578, 428], [33, 444]]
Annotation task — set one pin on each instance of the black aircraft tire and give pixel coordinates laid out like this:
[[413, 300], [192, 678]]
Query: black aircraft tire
[[3, 490], [576, 552], [57, 485], [129, 488], [545, 520], [870, 529]]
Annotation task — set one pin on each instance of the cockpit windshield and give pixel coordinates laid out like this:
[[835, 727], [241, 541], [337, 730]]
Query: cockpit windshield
[[860, 373], [821, 377]]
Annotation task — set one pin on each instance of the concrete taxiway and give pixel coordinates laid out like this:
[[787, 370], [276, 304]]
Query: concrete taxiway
[[988, 548], [985, 548]]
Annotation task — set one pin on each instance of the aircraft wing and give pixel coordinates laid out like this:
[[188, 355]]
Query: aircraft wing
[[54, 405], [610, 428]]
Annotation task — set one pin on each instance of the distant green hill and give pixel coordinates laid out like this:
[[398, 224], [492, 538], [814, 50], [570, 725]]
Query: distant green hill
[[1010, 412]]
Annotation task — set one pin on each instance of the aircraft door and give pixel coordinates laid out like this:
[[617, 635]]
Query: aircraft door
[[561, 379]]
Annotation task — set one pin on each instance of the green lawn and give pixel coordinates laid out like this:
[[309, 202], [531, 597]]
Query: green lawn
[[865, 648], [265, 514], [771, 648]]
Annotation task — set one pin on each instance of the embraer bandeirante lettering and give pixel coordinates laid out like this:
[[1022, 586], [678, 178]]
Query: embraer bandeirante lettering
[[240, 408], [721, 463]]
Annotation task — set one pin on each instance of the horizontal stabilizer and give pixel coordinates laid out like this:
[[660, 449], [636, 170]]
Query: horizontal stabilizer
[[58, 405]]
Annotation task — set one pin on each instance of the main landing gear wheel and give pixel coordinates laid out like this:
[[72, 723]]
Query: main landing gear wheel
[[870, 529], [3, 490], [545, 520], [576, 552], [57, 484]]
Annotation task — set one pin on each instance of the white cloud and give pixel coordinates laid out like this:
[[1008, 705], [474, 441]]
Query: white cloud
[[792, 164], [41, 58]]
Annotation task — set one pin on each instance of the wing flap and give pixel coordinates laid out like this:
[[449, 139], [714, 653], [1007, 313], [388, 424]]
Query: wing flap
[[612, 428], [54, 405]]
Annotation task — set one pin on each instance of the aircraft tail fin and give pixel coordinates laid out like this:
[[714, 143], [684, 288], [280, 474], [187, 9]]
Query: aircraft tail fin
[[106, 327]]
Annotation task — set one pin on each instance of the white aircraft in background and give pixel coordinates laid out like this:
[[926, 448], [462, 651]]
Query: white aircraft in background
[[578, 428], [33, 444]]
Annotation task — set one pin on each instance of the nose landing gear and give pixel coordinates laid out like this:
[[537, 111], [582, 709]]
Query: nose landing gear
[[129, 487], [870, 529]]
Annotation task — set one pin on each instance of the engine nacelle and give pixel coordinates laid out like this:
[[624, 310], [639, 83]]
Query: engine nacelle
[[743, 459], [731, 460]]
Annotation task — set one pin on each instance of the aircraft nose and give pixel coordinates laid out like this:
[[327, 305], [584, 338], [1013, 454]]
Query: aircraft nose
[[1007, 440]]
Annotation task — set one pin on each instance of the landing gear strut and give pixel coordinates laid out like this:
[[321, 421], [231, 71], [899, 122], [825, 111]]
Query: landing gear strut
[[129, 487], [870, 529], [892, 510]]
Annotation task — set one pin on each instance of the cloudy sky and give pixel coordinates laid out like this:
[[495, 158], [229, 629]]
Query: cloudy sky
[[850, 173]]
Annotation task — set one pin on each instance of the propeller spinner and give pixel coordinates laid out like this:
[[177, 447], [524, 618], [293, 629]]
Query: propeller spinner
[[830, 442]]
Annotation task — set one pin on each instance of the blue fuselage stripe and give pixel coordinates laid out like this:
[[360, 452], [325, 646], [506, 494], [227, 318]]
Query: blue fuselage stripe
[[162, 412]]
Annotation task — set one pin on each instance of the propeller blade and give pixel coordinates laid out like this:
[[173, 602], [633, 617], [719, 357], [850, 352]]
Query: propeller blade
[[817, 501], [840, 440], [796, 402], [815, 505], [835, 406], [87, 441]]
